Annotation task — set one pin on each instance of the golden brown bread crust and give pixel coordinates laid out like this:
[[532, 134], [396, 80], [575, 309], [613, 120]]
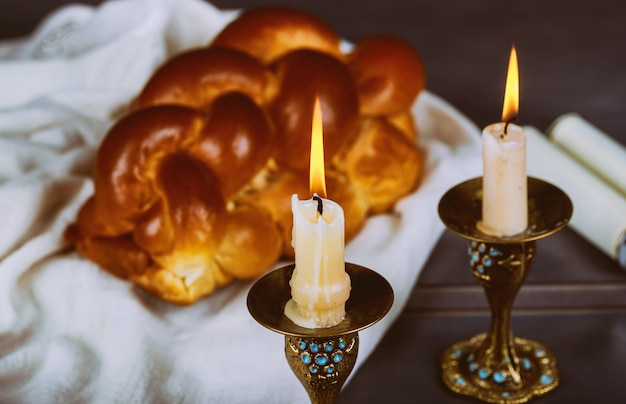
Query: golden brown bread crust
[[382, 163], [158, 215], [193, 188], [388, 73], [252, 242], [275, 197], [302, 75], [127, 164], [270, 32], [236, 141], [195, 78]]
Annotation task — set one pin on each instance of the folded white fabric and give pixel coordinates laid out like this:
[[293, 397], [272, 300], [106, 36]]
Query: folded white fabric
[[71, 332]]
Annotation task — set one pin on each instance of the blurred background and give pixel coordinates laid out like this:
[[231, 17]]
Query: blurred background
[[571, 53]]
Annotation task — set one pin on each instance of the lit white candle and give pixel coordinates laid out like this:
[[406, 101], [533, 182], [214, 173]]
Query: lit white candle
[[504, 202], [320, 285]]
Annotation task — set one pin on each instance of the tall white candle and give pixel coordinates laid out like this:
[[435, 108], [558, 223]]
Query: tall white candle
[[505, 207], [320, 285], [505, 200]]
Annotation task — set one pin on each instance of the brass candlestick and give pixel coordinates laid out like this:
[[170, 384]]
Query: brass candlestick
[[496, 367], [321, 358]]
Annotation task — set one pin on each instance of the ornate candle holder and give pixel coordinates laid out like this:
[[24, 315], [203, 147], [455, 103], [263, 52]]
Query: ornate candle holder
[[495, 366], [321, 358]]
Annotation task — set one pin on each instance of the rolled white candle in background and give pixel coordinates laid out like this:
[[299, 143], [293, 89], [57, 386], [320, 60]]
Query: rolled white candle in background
[[593, 148], [599, 210]]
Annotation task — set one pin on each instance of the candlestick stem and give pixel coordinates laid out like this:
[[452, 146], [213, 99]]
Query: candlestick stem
[[322, 364], [495, 366], [511, 266]]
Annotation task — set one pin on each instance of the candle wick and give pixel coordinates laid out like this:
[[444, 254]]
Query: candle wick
[[506, 125], [320, 206]]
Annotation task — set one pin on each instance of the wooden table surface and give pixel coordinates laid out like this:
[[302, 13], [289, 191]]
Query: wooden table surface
[[572, 59]]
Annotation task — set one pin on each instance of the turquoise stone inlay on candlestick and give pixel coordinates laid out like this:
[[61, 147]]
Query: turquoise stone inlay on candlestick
[[310, 353]]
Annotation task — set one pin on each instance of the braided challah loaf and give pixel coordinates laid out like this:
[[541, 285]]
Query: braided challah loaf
[[193, 187]]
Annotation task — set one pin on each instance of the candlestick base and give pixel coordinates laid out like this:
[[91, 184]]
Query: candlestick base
[[491, 382], [321, 358], [496, 367]]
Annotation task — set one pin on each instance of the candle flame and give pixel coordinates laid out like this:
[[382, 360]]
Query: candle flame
[[317, 180], [511, 92]]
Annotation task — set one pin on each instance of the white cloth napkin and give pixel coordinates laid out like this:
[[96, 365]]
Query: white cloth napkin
[[71, 332]]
